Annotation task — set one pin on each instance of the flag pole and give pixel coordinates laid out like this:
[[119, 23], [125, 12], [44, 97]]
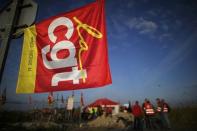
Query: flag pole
[[81, 107]]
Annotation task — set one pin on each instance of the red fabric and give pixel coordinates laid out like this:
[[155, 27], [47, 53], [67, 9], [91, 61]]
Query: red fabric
[[94, 60], [137, 111], [102, 101], [50, 98]]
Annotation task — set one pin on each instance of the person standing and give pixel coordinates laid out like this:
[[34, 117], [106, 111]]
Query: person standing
[[144, 111], [149, 114], [159, 113], [137, 112], [100, 111], [165, 111], [94, 112], [129, 109]]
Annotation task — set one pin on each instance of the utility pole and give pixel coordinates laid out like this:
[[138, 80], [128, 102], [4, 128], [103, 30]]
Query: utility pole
[[7, 31], [15, 15]]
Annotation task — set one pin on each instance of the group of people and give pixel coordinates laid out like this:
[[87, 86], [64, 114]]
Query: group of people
[[151, 117], [90, 113]]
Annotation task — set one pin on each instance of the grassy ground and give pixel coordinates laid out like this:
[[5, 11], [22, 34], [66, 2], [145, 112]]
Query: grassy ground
[[184, 118]]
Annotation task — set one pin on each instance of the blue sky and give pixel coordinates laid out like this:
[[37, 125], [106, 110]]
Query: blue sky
[[152, 50]]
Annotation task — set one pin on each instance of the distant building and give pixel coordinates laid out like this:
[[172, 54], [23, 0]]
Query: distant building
[[106, 103]]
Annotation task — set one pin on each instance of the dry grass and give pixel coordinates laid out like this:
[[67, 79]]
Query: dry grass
[[184, 118]]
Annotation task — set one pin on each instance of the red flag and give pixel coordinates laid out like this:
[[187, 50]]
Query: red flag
[[67, 52], [82, 101], [50, 98]]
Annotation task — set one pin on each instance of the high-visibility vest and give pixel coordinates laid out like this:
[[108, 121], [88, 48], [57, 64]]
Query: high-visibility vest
[[159, 109], [90, 110], [149, 109], [95, 109], [165, 108]]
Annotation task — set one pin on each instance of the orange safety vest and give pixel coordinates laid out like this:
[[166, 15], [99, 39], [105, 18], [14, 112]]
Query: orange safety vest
[[165, 107], [159, 107], [149, 109]]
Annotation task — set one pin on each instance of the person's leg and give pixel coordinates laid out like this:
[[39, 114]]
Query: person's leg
[[167, 121], [162, 121], [138, 123], [152, 122], [135, 123], [146, 121], [142, 124]]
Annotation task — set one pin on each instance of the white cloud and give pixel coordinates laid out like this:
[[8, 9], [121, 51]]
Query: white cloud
[[131, 23], [165, 36], [147, 27], [142, 25]]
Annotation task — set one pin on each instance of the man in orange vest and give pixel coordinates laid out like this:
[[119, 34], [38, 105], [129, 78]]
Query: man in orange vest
[[159, 105], [145, 116], [165, 111], [160, 121], [149, 114]]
